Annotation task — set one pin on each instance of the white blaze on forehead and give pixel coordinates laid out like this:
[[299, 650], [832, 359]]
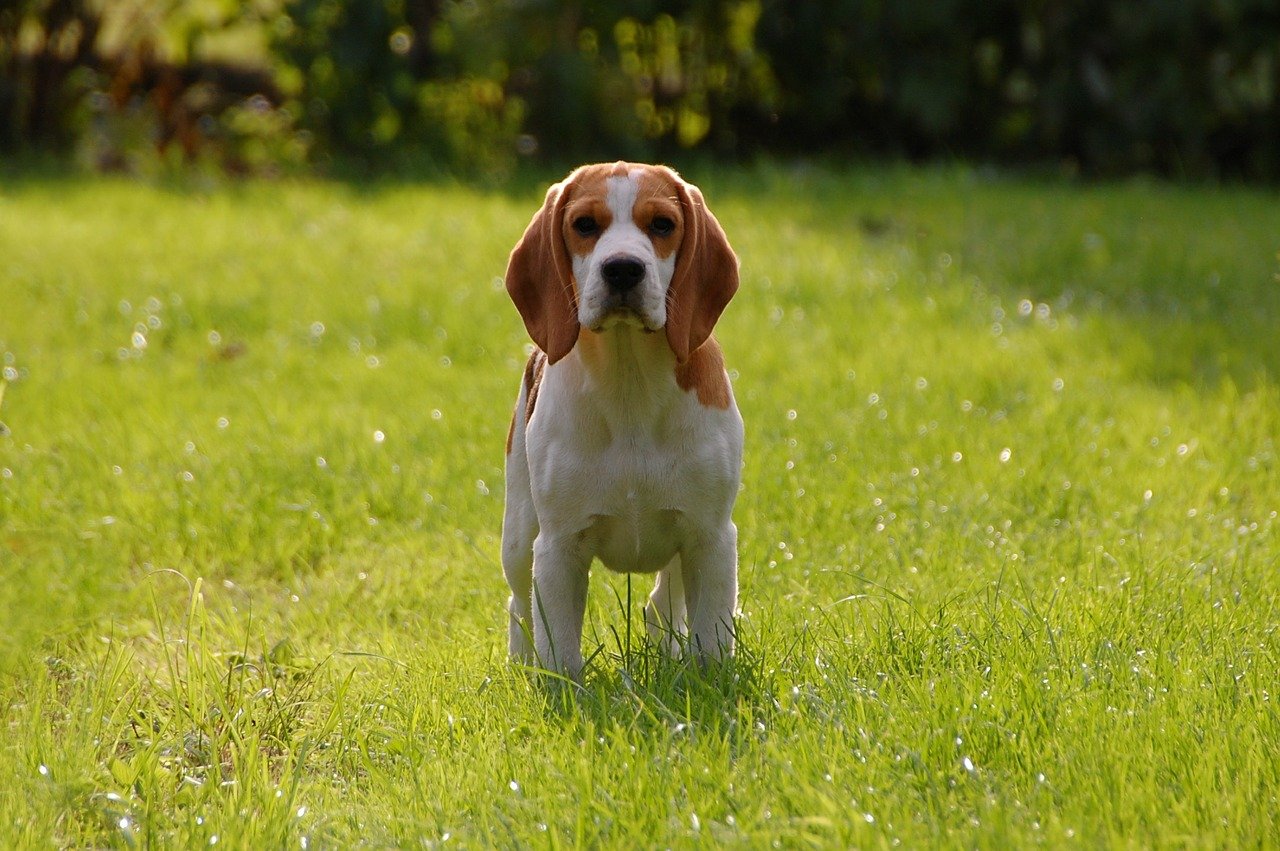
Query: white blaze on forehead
[[623, 235], [621, 196]]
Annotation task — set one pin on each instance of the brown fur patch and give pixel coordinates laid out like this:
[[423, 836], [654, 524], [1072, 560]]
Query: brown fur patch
[[540, 277], [704, 373], [658, 196], [533, 369], [532, 381]]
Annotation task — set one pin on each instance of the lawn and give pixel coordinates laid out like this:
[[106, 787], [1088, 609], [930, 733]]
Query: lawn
[[1008, 529]]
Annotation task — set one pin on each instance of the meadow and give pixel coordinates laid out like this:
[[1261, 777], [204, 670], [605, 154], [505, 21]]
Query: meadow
[[1009, 536]]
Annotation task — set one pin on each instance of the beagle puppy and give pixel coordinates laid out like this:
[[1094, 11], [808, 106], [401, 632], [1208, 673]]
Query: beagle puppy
[[626, 442]]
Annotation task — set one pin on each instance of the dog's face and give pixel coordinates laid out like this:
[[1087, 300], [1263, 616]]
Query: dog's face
[[622, 244], [623, 232]]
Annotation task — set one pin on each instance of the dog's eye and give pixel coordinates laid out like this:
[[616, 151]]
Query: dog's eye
[[586, 226], [662, 226]]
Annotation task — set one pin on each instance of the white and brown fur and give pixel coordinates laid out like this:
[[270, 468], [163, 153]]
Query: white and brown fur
[[626, 443]]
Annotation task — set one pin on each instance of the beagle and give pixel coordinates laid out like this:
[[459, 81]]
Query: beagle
[[626, 442]]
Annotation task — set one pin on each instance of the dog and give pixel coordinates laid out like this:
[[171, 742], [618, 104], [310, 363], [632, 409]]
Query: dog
[[626, 442]]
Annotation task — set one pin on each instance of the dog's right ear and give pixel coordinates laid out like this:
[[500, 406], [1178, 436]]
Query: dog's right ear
[[540, 278]]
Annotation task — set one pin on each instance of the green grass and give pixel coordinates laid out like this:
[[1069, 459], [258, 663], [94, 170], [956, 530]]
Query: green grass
[[1009, 538]]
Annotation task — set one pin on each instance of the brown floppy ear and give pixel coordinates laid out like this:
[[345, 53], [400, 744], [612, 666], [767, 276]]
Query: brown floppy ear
[[706, 275], [540, 279]]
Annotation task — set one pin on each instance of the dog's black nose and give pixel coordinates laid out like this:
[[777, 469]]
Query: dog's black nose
[[622, 273]]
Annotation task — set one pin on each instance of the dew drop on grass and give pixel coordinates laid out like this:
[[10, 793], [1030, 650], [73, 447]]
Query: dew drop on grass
[[302, 811], [10, 374], [214, 338], [379, 436], [139, 340], [956, 457], [223, 422], [968, 765], [514, 786], [43, 769], [1005, 455]]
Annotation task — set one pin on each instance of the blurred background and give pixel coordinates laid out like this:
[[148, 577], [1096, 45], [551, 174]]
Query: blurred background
[[1183, 88]]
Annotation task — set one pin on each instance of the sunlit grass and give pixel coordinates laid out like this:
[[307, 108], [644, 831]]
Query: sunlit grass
[[1008, 530]]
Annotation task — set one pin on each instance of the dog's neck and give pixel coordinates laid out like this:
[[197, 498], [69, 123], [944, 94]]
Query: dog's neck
[[633, 369]]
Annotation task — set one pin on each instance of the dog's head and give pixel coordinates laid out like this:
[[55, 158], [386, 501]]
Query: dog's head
[[622, 244]]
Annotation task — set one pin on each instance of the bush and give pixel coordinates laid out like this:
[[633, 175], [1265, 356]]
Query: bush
[[123, 88], [1183, 87], [470, 85]]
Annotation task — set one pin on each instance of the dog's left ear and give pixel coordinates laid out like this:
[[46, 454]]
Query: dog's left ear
[[540, 278], [705, 278]]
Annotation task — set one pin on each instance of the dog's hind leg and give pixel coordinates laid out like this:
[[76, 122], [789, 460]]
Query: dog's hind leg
[[518, 533], [665, 614], [519, 529]]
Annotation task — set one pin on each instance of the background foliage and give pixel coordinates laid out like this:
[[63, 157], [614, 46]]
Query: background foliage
[[1187, 87]]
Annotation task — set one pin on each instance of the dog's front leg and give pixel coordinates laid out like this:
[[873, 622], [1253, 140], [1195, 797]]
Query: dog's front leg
[[711, 592], [559, 600]]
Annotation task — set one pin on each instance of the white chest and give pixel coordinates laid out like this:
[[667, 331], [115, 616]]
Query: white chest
[[632, 502]]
